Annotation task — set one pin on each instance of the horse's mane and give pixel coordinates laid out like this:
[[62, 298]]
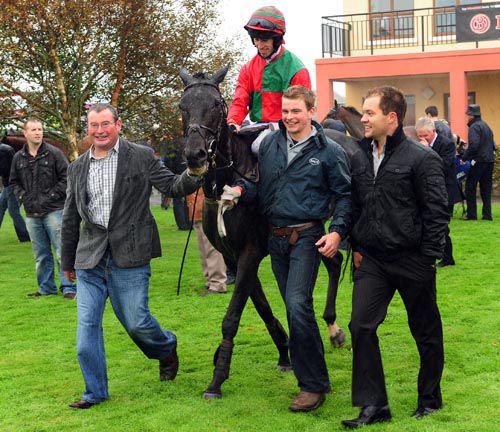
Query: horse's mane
[[353, 110], [202, 76]]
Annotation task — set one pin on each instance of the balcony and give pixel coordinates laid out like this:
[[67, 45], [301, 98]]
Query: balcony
[[364, 34]]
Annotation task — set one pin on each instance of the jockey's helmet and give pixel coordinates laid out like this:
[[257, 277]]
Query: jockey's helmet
[[267, 23]]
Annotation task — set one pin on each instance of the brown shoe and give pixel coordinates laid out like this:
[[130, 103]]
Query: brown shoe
[[69, 296], [169, 366], [81, 404], [307, 401]]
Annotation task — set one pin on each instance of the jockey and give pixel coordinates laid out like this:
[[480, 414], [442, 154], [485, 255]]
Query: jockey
[[263, 79]]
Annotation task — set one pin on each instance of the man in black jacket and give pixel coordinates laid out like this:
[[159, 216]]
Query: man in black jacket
[[38, 180], [399, 223], [7, 198], [481, 153], [445, 148]]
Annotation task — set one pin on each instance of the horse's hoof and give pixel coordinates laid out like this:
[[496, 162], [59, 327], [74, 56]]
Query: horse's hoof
[[208, 395], [338, 339], [285, 368]]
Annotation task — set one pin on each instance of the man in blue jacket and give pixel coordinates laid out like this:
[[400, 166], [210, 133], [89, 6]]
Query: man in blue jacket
[[300, 170]]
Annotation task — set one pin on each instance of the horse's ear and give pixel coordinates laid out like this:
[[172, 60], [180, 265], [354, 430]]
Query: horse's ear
[[335, 104], [220, 75], [185, 77]]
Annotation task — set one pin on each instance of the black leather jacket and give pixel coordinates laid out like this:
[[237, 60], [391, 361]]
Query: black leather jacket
[[481, 143], [6, 155], [403, 209], [39, 184]]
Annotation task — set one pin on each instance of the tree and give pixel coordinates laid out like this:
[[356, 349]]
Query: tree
[[57, 55]]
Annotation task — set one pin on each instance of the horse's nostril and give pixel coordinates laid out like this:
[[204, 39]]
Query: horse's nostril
[[201, 154]]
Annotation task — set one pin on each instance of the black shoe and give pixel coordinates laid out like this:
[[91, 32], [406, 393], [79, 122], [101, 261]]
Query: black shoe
[[169, 366], [81, 404], [445, 263], [369, 414], [465, 217], [424, 411], [487, 218]]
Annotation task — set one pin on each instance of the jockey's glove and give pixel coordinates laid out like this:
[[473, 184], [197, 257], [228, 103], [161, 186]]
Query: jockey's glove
[[230, 196]]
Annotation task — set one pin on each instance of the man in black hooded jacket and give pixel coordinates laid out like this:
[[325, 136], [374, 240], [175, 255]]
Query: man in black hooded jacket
[[481, 153]]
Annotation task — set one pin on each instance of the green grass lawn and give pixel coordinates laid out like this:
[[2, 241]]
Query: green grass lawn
[[39, 372]]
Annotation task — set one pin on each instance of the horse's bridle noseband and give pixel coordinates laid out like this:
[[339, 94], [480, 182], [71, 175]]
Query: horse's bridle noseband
[[211, 145]]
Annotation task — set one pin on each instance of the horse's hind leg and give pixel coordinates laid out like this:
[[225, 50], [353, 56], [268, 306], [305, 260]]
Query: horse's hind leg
[[246, 278], [333, 266], [274, 327]]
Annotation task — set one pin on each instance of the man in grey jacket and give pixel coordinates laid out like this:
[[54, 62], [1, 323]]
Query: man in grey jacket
[[109, 237]]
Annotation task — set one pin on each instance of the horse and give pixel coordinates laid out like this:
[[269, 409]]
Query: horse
[[17, 140], [209, 140], [351, 118]]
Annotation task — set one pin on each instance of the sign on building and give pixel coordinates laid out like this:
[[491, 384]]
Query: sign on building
[[478, 22]]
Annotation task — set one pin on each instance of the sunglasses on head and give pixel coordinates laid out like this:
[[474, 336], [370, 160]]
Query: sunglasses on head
[[261, 22]]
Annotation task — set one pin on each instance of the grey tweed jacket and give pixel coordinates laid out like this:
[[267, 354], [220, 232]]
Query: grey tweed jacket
[[132, 234]]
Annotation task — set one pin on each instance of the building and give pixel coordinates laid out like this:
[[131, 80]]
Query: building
[[438, 52]]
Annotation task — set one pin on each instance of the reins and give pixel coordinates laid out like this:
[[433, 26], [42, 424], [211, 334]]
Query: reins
[[187, 243]]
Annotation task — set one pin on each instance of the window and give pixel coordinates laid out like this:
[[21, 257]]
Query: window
[[410, 117], [444, 18], [391, 18], [471, 99]]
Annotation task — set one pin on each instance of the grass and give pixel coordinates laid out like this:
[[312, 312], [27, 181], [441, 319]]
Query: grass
[[39, 372]]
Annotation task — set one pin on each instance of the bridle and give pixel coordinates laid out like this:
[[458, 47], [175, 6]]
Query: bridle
[[211, 144]]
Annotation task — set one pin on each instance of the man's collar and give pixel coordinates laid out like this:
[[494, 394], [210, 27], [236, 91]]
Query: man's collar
[[434, 140], [314, 132], [115, 148], [275, 54]]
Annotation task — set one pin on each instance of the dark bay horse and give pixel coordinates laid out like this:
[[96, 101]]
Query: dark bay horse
[[210, 140], [351, 118], [16, 141]]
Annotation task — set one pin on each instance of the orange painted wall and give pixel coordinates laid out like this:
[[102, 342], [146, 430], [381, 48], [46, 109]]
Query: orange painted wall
[[456, 64]]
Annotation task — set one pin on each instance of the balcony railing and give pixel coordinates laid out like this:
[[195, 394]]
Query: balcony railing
[[346, 35]]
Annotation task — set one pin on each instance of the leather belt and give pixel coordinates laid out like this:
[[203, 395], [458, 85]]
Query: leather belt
[[285, 231]]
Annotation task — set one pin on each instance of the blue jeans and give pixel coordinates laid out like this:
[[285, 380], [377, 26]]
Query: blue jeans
[[9, 201], [296, 268], [44, 232], [127, 289]]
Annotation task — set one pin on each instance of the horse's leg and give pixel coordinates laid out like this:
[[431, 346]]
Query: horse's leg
[[274, 327], [246, 279], [333, 266]]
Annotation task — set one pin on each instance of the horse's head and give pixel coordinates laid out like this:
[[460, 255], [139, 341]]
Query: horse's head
[[351, 117], [203, 116]]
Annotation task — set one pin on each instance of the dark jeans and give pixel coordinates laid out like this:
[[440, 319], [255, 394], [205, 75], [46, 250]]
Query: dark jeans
[[182, 218], [482, 173], [375, 283], [448, 246], [9, 201], [296, 268]]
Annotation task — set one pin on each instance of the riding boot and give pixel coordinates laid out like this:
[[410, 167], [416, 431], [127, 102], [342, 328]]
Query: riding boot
[[223, 362]]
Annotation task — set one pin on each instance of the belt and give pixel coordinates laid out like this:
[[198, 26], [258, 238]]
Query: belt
[[285, 231]]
